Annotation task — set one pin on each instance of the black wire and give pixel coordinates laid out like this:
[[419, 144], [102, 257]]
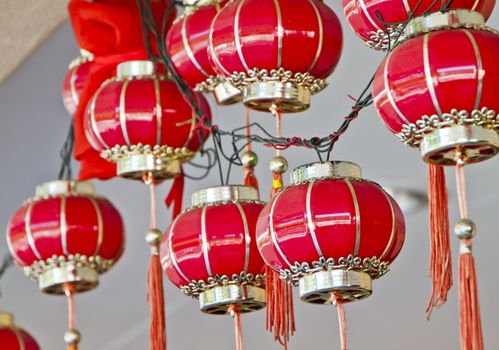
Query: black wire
[[65, 172], [258, 134]]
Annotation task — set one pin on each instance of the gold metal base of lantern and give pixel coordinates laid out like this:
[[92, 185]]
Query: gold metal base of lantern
[[287, 96], [475, 143], [81, 278], [321, 287], [134, 166], [226, 94], [218, 300]]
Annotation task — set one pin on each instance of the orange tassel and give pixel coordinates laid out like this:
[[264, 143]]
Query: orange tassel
[[469, 306], [155, 298], [155, 292], [280, 309], [250, 178], [440, 258]]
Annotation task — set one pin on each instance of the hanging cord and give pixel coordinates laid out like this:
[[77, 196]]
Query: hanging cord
[[249, 159], [469, 305], [235, 312], [65, 172], [72, 337], [155, 290], [342, 321]]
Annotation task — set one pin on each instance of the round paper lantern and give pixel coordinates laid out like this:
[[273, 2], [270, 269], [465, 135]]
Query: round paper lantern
[[278, 51], [14, 338], [210, 250], [74, 80], [141, 121], [436, 100], [331, 232], [187, 44], [66, 235], [363, 16]]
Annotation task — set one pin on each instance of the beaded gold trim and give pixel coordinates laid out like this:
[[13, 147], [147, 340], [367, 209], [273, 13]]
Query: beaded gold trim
[[209, 84], [484, 27], [214, 204], [372, 266], [280, 75], [182, 154], [412, 134], [96, 263], [381, 40], [195, 288]]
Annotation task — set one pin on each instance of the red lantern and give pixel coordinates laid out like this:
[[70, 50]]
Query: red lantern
[[331, 232], [66, 234], [141, 120], [64, 237], [362, 15], [74, 81], [187, 44], [438, 101], [210, 250], [14, 338], [258, 45]]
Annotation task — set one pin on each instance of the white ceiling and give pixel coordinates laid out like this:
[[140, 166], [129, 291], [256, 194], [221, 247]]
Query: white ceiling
[[115, 316]]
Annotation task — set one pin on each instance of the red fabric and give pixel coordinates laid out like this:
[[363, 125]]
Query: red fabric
[[112, 32], [91, 164], [175, 195], [111, 26]]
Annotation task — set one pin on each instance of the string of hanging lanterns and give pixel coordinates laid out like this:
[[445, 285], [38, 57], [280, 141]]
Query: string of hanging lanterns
[[136, 97]]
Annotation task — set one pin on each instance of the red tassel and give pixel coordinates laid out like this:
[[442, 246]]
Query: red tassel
[[250, 178], [176, 195], [280, 309], [440, 258], [155, 297], [469, 306]]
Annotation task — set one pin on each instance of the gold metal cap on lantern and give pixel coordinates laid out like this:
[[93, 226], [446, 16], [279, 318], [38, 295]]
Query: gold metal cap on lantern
[[475, 143], [83, 279], [64, 187], [456, 18], [135, 69], [321, 287], [218, 300], [288, 97], [220, 194], [336, 169], [226, 94], [134, 166], [6, 320]]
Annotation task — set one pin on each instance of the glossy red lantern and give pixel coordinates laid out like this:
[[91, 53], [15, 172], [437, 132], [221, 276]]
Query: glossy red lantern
[[66, 234], [141, 120], [258, 45], [362, 15], [74, 81], [331, 232], [437, 100], [210, 250], [13, 337], [187, 44]]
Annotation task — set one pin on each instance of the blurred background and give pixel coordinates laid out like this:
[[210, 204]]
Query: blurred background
[[115, 315]]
